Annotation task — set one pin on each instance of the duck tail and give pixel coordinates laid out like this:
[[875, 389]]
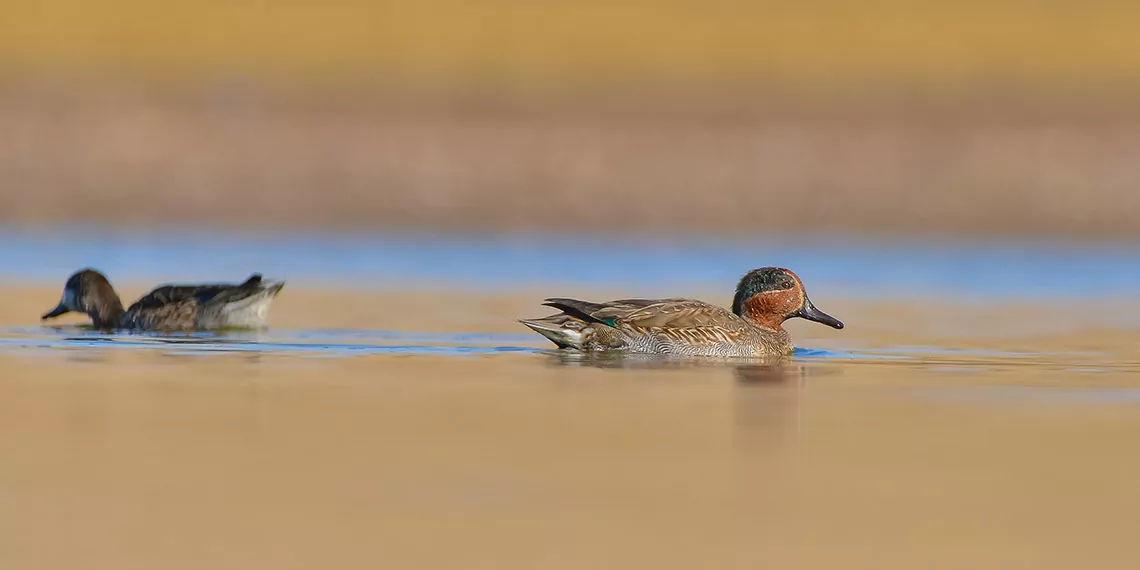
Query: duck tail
[[253, 292], [256, 286], [274, 287], [253, 281], [583, 310], [555, 328]]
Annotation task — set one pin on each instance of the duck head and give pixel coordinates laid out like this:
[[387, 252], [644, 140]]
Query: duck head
[[88, 291], [771, 295]]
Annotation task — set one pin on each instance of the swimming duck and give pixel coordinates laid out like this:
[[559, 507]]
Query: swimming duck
[[765, 298], [169, 307]]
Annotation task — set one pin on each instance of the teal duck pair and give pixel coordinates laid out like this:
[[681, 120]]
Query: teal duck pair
[[169, 307], [764, 299]]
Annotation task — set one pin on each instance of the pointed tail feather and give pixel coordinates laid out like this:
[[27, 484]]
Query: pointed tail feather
[[557, 329], [253, 281], [273, 288], [252, 290], [583, 310]]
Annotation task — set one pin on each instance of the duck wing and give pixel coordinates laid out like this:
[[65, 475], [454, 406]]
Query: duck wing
[[198, 294], [647, 314]]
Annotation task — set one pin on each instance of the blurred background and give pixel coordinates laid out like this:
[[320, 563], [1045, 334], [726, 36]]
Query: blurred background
[[717, 117], [955, 180]]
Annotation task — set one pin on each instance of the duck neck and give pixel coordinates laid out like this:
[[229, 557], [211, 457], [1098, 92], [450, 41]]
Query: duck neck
[[759, 314], [106, 311], [766, 322]]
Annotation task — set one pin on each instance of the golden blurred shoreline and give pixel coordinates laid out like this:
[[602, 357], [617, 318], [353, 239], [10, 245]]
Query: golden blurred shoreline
[[820, 43]]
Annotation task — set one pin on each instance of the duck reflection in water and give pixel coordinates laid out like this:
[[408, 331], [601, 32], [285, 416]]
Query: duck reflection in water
[[768, 399], [775, 371]]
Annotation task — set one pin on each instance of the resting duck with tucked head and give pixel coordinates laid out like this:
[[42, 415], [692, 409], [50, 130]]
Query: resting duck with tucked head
[[169, 307], [765, 298]]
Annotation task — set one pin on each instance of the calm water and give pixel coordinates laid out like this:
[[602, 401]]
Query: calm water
[[980, 410]]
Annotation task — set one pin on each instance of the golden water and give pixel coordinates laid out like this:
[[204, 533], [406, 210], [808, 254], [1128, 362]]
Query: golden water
[[1010, 441]]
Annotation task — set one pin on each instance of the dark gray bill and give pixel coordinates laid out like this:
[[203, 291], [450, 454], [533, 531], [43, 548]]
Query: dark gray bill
[[809, 312], [59, 310]]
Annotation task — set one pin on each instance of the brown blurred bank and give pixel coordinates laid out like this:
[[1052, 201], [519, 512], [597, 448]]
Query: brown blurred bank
[[736, 117]]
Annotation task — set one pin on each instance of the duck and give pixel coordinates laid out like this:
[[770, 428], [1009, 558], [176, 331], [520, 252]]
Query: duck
[[169, 307], [764, 299]]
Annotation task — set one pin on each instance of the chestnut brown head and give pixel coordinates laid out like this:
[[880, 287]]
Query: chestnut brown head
[[771, 295]]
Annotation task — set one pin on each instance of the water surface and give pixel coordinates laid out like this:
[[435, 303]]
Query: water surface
[[987, 416]]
